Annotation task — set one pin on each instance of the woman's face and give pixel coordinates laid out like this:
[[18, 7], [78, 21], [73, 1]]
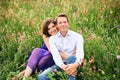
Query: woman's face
[[52, 30]]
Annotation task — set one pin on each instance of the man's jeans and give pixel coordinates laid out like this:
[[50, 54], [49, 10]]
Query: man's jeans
[[44, 74]]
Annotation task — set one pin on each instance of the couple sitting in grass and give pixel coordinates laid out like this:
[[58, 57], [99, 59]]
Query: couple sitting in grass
[[62, 51]]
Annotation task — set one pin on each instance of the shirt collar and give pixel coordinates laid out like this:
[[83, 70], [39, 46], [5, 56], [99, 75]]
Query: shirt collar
[[59, 34]]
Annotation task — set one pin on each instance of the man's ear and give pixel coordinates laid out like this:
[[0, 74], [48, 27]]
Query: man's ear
[[68, 24]]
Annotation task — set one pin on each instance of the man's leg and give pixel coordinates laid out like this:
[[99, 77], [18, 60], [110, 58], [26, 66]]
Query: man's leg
[[70, 60], [44, 74]]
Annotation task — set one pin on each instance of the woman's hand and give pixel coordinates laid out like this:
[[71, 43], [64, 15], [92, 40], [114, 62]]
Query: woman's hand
[[64, 56]]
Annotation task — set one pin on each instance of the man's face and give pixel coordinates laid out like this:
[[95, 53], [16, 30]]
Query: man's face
[[62, 24]]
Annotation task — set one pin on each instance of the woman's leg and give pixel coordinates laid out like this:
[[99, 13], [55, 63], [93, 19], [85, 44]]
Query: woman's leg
[[71, 59], [46, 61], [19, 75], [28, 72], [33, 60]]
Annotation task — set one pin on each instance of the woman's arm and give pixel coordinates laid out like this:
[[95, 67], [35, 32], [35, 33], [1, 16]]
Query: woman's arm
[[46, 40], [64, 56]]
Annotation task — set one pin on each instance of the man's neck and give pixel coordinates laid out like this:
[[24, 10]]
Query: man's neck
[[64, 33]]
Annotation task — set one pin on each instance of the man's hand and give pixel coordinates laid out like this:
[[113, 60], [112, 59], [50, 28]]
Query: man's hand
[[71, 69], [64, 67]]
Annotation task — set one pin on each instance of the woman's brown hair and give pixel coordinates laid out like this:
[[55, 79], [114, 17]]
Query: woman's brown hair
[[45, 24]]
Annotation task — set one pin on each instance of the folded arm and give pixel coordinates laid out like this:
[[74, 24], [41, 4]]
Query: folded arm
[[46, 40]]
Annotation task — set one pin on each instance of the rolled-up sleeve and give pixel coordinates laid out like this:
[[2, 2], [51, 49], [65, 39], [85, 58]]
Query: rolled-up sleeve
[[80, 50]]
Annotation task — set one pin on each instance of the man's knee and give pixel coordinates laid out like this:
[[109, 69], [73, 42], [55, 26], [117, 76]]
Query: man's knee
[[42, 77], [44, 74], [70, 59]]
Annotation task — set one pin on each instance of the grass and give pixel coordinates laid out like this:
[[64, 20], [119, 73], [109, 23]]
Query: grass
[[96, 20]]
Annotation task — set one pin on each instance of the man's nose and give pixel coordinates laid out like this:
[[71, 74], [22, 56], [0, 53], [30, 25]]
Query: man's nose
[[62, 23]]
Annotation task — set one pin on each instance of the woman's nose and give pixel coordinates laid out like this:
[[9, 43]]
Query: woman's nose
[[52, 30]]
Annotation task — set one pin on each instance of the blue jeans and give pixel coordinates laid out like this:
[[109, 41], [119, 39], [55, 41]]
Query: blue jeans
[[44, 74]]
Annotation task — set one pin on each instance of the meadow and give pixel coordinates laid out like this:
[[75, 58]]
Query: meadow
[[97, 20]]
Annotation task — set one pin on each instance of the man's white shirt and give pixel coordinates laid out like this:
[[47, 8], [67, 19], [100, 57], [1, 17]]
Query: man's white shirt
[[70, 44]]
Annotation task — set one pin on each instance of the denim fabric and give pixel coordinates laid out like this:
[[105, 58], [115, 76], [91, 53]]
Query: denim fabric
[[44, 74]]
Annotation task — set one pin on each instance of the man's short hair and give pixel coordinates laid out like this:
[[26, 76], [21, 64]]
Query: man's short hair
[[62, 15]]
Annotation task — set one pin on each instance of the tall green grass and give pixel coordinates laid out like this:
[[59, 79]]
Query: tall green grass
[[96, 20]]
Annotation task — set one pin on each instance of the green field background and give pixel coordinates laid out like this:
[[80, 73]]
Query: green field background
[[97, 20]]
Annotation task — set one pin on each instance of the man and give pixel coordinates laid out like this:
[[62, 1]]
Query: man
[[68, 42]]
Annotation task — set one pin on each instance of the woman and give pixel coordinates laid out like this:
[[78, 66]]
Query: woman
[[41, 58]]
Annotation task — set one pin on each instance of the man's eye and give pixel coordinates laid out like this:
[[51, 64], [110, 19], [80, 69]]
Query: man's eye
[[60, 23], [65, 22]]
